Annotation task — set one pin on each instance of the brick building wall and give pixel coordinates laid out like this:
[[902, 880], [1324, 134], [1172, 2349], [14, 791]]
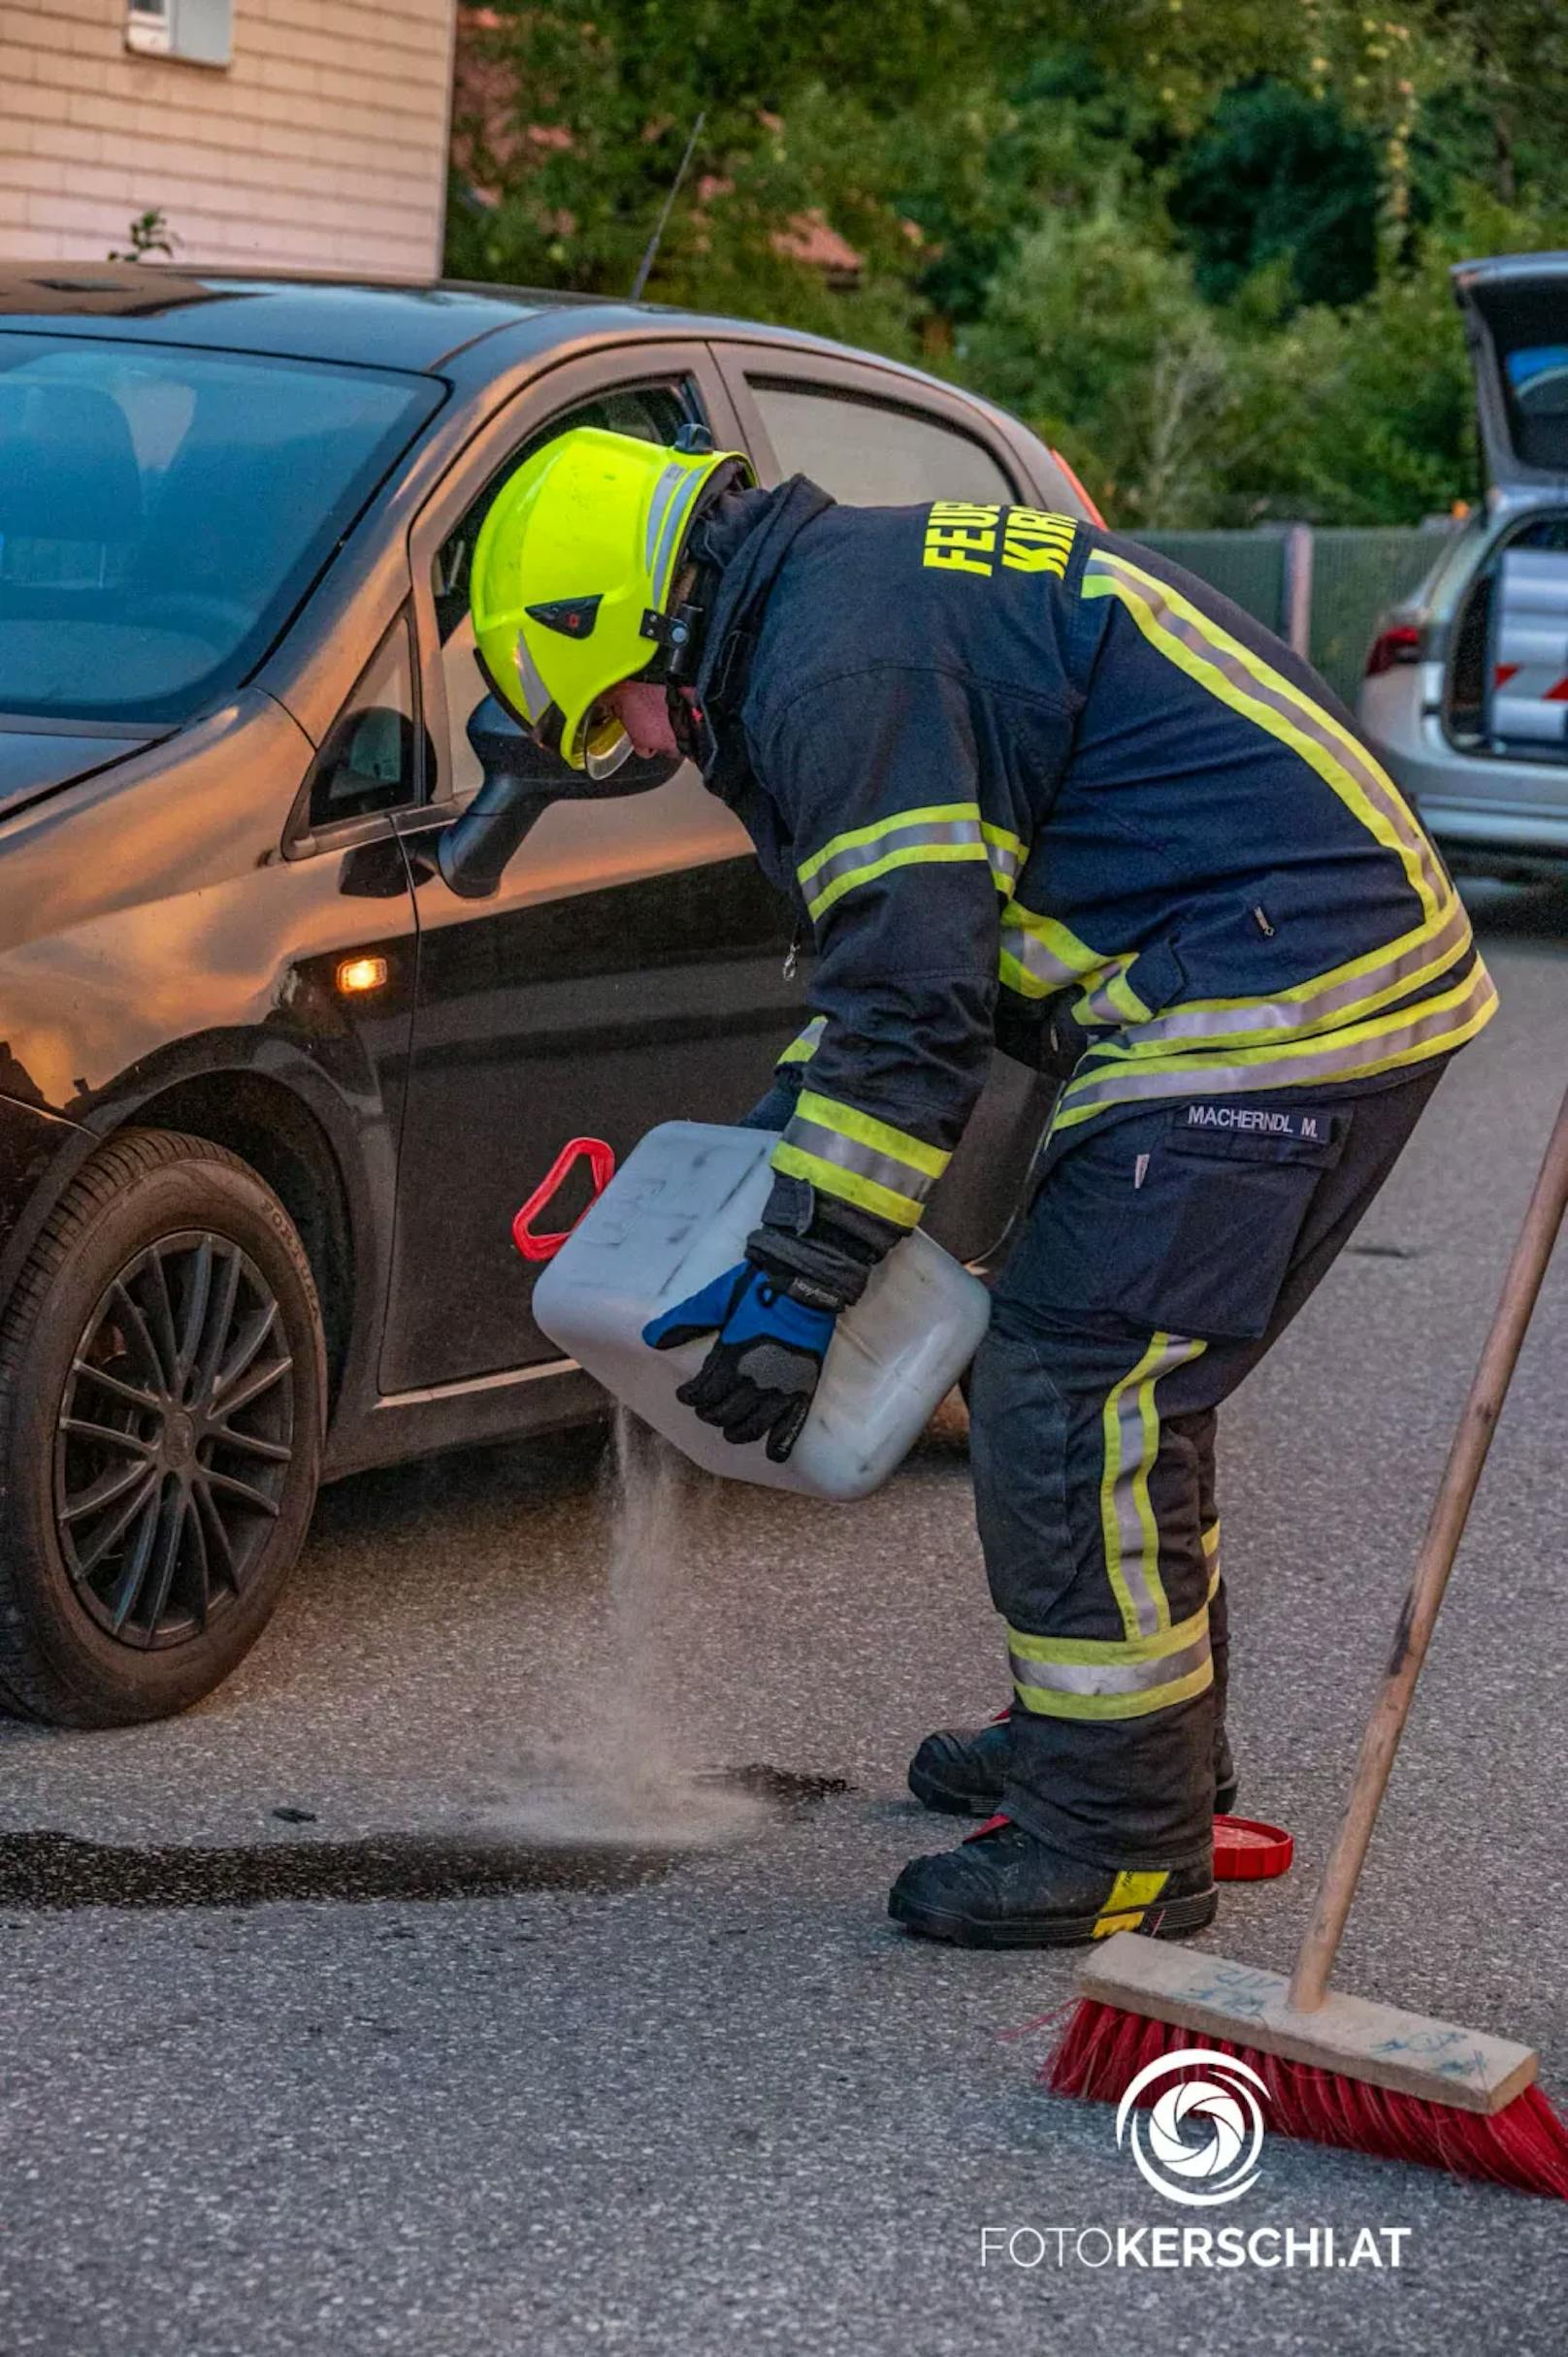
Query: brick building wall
[[321, 147]]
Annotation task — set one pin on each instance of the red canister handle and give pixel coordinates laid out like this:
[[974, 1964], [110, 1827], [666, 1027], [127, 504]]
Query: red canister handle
[[601, 1166]]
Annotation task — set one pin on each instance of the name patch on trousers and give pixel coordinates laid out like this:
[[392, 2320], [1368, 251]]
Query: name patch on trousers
[[1308, 1127]]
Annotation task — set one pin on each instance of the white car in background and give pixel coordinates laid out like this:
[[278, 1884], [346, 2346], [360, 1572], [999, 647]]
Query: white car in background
[[1466, 689]]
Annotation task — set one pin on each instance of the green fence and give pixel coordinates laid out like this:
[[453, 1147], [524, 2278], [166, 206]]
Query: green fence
[[1354, 576], [1246, 566], [1350, 577]]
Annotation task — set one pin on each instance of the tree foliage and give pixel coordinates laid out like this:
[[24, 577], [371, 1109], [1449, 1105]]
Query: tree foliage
[[1277, 176], [1202, 245]]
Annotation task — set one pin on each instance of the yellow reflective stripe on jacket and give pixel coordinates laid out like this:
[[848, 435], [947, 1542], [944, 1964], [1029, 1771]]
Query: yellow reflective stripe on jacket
[[1086, 1678], [801, 1049], [1242, 679], [852, 1155], [1433, 1027], [1211, 1554], [1330, 1001], [1040, 955], [850, 1122], [1006, 851], [936, 835], [1131, 1442], [796, 1161], [1110, 998]]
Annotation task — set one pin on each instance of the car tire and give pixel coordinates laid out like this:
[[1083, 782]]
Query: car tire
[[162, 1368]]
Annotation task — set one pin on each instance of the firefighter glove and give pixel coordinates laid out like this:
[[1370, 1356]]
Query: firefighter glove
[[759, 1379]]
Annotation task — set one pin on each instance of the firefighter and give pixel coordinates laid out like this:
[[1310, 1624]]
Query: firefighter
[[1032, 787]]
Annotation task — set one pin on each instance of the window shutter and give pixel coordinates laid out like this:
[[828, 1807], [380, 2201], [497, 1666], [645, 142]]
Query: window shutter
[[204, 31]]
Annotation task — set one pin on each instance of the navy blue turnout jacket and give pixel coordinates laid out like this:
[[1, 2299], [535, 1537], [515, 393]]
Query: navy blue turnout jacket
[[1030, 783]]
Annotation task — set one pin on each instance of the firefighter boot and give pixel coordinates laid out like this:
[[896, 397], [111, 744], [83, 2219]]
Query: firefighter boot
[[1004, 1888], [962, 1772]]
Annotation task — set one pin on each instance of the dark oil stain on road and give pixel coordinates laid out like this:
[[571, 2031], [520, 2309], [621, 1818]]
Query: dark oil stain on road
[[50, 1873], [782, 1784]]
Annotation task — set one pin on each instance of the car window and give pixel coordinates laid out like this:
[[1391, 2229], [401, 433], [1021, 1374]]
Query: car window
[[871, 453], [370, 761], [163, 510], [1537, 377], [653, 413]]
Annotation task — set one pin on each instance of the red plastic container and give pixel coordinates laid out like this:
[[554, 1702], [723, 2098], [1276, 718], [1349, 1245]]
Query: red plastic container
[[1247, 1851]]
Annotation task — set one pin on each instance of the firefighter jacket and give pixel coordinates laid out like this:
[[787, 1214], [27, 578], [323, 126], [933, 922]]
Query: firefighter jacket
[[1026, 779]]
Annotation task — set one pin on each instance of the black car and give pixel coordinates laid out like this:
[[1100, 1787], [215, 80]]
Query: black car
[[270, 1088]]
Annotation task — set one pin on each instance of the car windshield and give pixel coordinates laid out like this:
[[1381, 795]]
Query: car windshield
[[162, 511]]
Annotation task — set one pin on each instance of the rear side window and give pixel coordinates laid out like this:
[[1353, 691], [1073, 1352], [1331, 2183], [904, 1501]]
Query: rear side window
[[872, 454], [163, 510], [1537, 377]]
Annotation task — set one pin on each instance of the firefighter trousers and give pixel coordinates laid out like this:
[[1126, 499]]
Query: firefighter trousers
[[1161, 1256]]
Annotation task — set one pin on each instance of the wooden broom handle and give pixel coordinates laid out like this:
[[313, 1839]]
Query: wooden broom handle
[[1309, 1983]]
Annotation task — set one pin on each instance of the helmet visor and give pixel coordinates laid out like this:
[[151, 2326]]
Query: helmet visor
[[601, 744]]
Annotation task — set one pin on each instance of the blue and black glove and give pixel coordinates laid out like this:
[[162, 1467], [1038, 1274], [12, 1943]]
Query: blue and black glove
[[760, 1377]]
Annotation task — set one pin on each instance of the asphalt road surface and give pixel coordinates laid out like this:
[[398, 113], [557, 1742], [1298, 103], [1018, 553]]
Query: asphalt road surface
[[428, 2066]]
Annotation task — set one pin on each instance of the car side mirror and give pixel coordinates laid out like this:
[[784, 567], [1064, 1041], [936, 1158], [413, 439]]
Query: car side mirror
[[521, 780]]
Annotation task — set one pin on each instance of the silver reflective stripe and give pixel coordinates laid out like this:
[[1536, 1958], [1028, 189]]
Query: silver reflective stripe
[[850, 1154], [670, 537], [801, 1049], [1393, 1040], [1433, 955], [1132, 1543], [663, 491], [1101, 1004], [1302, 715], [1006, 860], [536, 697], [916, 836], [1110, 1677], [1042, 967]]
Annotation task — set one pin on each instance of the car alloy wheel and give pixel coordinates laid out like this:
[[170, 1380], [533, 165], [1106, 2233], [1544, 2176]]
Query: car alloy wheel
[[173, 1439]]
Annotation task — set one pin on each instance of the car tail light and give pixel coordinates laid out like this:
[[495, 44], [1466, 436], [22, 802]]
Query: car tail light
[[1090, 507], [1400, 642]]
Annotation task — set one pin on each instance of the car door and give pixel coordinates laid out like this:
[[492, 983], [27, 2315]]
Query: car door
[[628, 971], [1498, 692], [875, 437]]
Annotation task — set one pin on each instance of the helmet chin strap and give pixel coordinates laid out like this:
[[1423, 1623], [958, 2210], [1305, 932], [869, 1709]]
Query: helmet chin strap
[[681, 638], [688, 728]]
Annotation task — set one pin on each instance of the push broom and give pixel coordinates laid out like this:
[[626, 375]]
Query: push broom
[[1340, 2070]]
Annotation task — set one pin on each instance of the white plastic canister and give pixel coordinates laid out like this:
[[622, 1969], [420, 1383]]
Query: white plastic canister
[[677, 1214]]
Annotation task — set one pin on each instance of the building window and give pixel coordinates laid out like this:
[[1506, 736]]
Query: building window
[[201, 31]]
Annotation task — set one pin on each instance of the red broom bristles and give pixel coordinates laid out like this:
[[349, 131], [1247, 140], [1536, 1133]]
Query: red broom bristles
[[1102, 2048]]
